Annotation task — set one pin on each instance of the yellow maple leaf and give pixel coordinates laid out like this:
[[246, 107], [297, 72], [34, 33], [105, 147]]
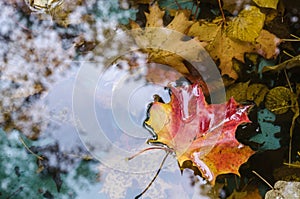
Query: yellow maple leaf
[[224, 48], [162, 38]]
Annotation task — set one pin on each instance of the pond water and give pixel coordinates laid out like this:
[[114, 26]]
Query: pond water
[[75, 92]]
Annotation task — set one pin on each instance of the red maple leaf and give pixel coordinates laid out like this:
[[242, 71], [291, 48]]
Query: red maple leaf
[[200, 132]]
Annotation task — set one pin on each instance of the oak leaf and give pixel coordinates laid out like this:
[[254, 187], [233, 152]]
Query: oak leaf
[[200, 132]]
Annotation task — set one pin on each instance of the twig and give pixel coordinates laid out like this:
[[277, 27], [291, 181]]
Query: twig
[[295, 36], [28, 149], [153, 179], [178, 5], [289, 39], [288, 54], [263, 179], [292, 165], [223, 16], [147, 149]]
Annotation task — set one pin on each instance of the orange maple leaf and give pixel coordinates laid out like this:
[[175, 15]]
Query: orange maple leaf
[[200, 132]]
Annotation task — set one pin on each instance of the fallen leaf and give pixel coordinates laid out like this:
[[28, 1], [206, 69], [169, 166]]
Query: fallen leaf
[[180, 23], [222, 48], [267, 3], [283, 189], [278, 100], [199, 132], [238, 91], [257, 93], [247, 26]]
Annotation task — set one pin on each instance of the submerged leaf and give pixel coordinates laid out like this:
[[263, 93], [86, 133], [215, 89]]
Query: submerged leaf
[[247, 25], [257, 93], [278, 100], [238, 91], [202, 133], [283, 189]]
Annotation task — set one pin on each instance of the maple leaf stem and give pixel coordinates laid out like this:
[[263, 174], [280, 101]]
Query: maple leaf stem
[[147, 149], [153, 179], [221, 10]]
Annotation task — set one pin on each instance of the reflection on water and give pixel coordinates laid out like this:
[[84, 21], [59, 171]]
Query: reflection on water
[[39, 58]]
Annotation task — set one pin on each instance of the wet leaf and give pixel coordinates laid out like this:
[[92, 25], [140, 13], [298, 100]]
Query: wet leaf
[[155, 19], [257, 93], [283, 189], [199, 132], [267, 137], [267, 3], [247, 25], [238, 91], [278, 100], [222, 48]]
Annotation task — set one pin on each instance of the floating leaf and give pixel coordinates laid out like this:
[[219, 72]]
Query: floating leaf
[[278, 100], [155, 19], [223, 49], [247, 26], [267, 137], [283, 189], [201, 133], [267, 3]]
